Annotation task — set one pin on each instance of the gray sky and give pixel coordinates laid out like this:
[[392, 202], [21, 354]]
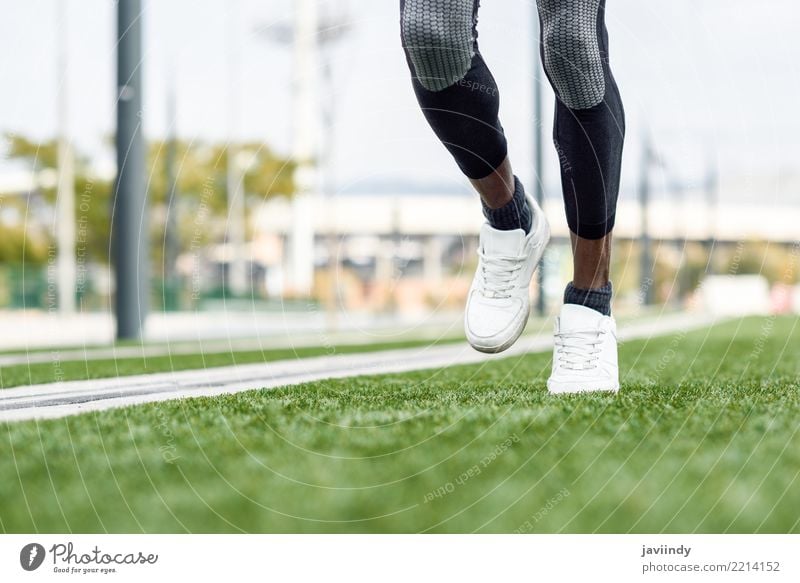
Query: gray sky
[[705, 77]]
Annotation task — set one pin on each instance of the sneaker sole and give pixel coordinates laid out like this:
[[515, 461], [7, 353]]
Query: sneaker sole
[[494, 349], [577, 388]]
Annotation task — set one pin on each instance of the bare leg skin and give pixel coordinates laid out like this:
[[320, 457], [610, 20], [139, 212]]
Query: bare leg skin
[[497, 189], [591, 260]]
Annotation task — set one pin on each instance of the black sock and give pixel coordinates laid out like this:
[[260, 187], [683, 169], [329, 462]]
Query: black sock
[[598, 299], [516, 214]]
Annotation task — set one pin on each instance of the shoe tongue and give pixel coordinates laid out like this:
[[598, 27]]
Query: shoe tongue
[[502, 243], [574, 317]]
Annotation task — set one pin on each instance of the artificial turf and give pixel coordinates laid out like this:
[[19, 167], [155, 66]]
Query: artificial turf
[[704, 437]]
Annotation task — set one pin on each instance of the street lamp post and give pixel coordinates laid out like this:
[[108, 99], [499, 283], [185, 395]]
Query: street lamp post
[[304, 116], [306, 36]]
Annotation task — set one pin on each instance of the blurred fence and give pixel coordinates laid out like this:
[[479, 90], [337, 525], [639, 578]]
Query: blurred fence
[[27, 287]]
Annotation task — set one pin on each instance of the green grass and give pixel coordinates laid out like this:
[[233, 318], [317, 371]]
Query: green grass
[[77, 370], [704, 437]]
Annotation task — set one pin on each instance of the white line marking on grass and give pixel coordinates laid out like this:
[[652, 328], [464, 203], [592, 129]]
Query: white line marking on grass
[[53, 400], [213, 346]]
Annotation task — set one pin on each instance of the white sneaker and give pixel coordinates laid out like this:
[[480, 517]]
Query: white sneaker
[[585, 352], [498, 303]]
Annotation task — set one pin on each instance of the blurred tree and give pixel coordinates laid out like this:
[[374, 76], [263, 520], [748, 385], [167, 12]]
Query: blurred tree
[[41, 154], [198, 164], [92, 196], [17, 246], [774, 261], [200, 181], [200, 171]]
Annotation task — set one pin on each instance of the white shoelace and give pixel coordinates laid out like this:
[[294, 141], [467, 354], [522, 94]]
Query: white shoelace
[[497, 274], [579, 349]]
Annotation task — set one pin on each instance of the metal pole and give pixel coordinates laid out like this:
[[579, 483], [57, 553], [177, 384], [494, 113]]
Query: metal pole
[[538, 141], [678, 192], [327, 184], [711, 187], [130, 225], [646, 265], [65, 203], [171, 238], [237, 222]]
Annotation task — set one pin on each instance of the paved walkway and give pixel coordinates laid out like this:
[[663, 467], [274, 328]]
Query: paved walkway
[[36, 330], [71, 398]]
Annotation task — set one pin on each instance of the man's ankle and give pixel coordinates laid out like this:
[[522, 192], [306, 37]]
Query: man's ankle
[[598, 299], [516, 214]]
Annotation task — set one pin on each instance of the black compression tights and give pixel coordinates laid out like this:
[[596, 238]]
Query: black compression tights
[[460, 99]]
